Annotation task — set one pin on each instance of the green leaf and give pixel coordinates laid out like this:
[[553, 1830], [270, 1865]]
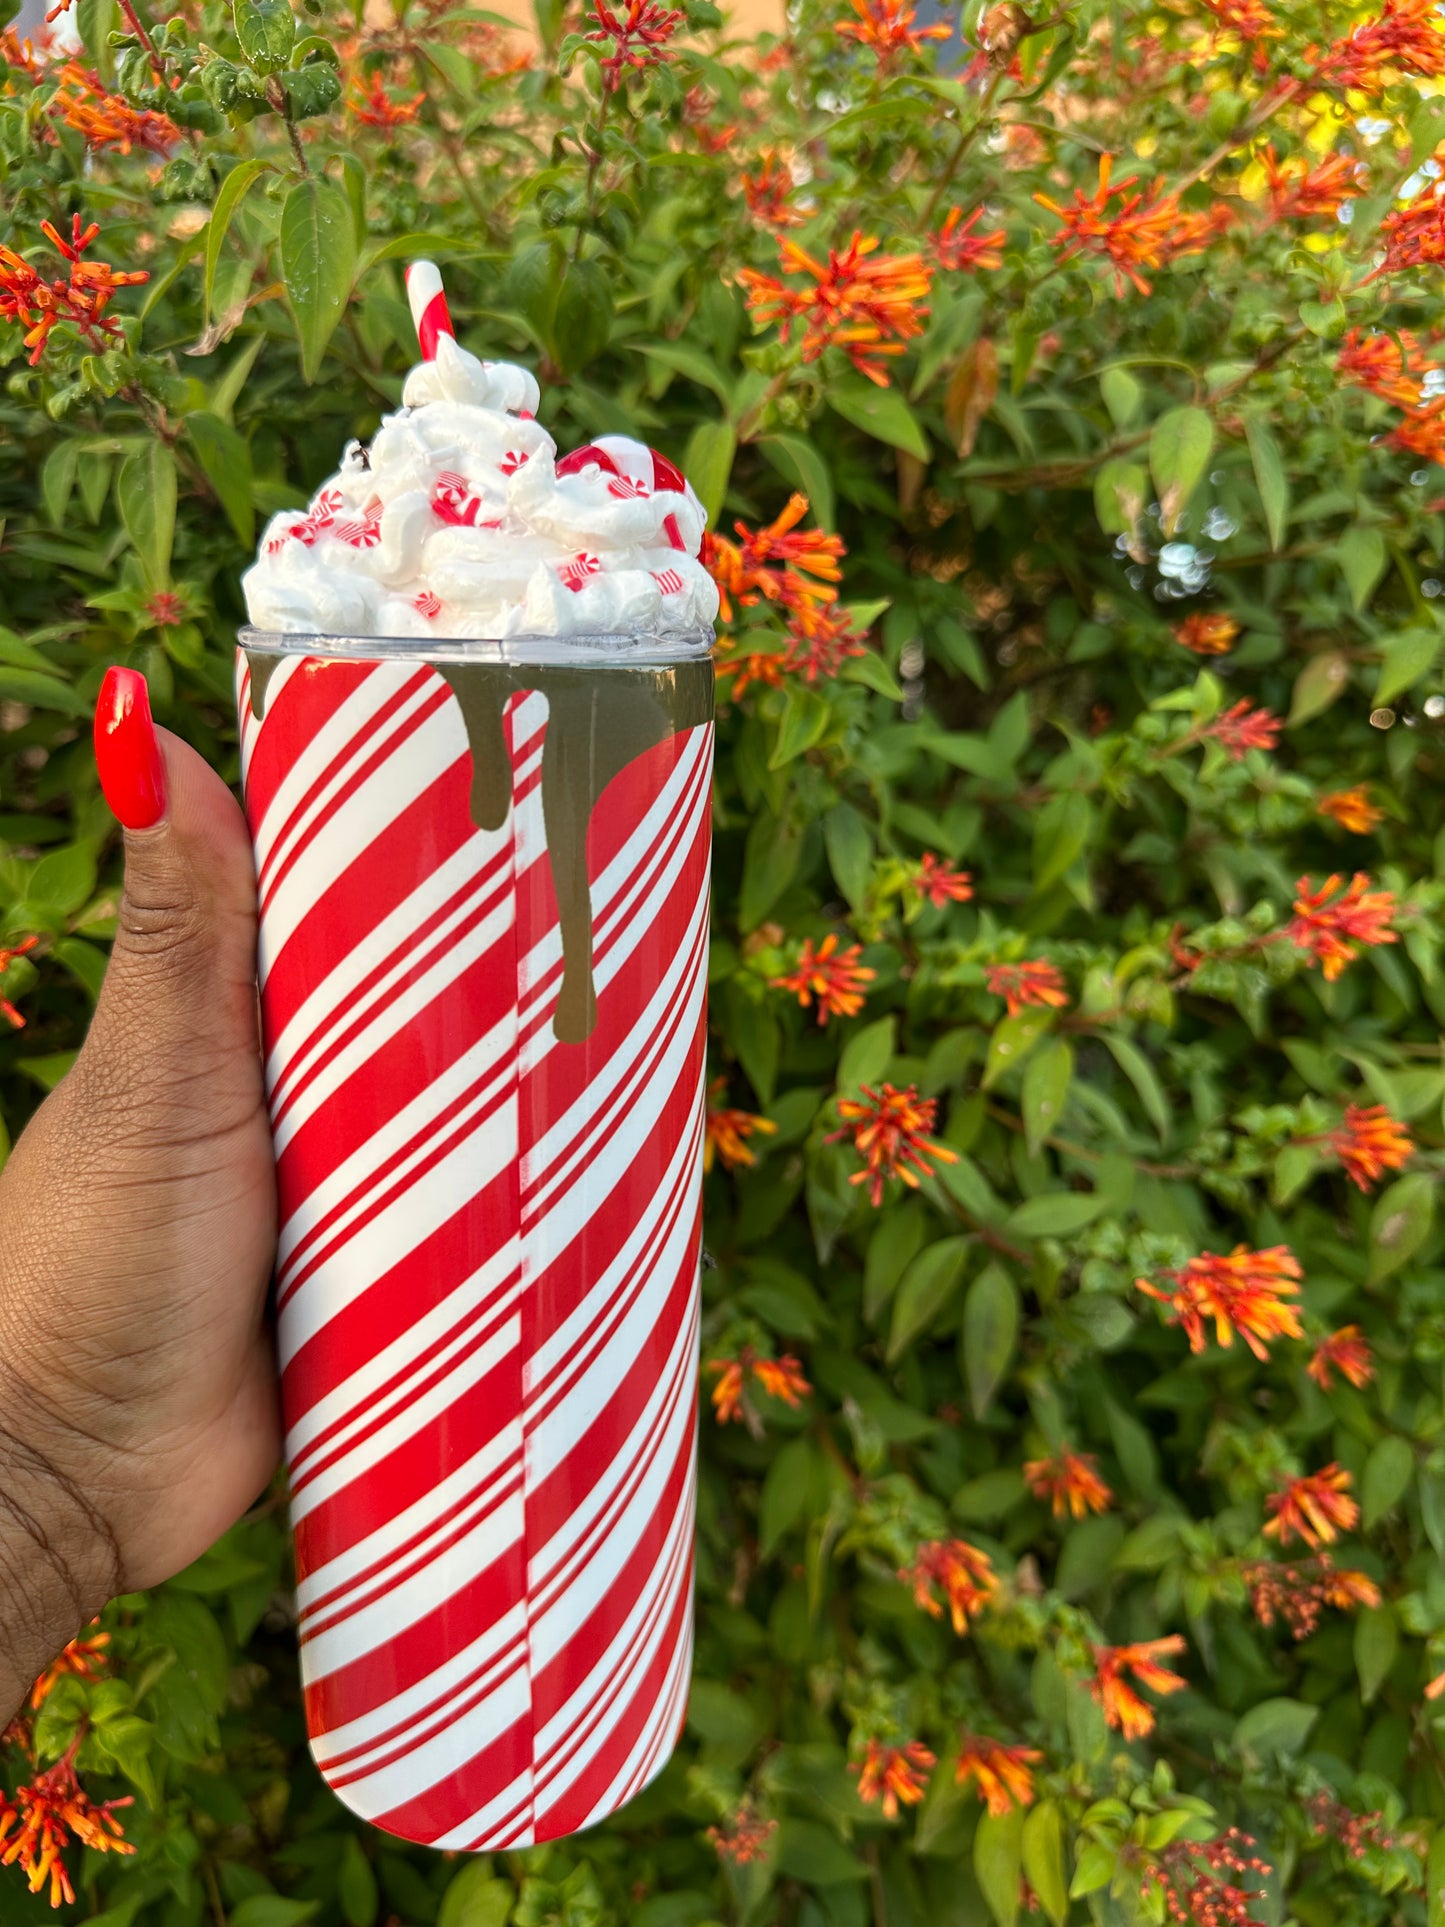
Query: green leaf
[[475, 1897], [1012, 1040], [804, 722], [41, 692], [696, 366], [873, 673], [272, 1910], [1377, 1640], [1435, 1881], [1123, 396], [1142, 1075], [1275, 1727], [1270, 477], [785, 1492], [145, 492], [234, 189], [1321, 682], [1362, 556], [582, 321], [1095, 1869], [1404, 661], [770, 863], [1047, 1077], [57, 479], [867, 1054], [1180, 445], [809, 1852], [1057, 1214], [1043, 1858], [1400, 1223], [1385, 1479], [990, 1331], [1120, 492], [879, 412], [356, 1889], [998, 1862], [318, 263], [226, 462], [1061, 833], [708, 463], [801, 465], [849, 844], [63, 880], [925, 1289], [266, 30]]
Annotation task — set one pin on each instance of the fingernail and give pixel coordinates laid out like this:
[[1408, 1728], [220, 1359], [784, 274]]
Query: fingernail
[[127, 754]]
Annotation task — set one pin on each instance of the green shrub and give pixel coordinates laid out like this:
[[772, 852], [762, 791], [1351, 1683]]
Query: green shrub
[[1141, 532]]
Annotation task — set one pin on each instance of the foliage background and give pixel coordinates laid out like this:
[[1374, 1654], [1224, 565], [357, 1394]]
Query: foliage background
[[1025, 712]]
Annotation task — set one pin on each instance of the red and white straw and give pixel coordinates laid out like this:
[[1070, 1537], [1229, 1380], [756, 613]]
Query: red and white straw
[[429, 309]]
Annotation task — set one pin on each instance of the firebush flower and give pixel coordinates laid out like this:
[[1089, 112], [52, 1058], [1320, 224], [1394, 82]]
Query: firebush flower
[[957, 248], [1421, 433], [780, 1378], [1352, 809], [1198, 1882], [964, 1575], [44, 1817], [636, 32], [81, 296], [820, 641], [1298, 1594], [1406, 39], [746, 1837], [1369, 1142], [1414, 235], [890, 1130], [1242, 728], [1244, 1292], [886, 29], [103, 119], [1142, 232], [869, 308], [1298, 192], [22, 949], [1207, 635], [1034, 982], [1347, 1352], [375, 107], [1001, 1773], [938, 884], [783, 564], [1331, 930], [1123, 1708], [83, 1658], [831, 977], [1070, 1482], [768, 192], [893, 1774], [1316, 1508], [1388, 365], [725, 1131]]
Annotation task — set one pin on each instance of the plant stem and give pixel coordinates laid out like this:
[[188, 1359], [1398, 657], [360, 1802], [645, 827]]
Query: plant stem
[[961, 146], [594, 164]]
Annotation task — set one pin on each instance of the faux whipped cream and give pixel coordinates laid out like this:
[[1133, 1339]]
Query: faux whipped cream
[[462, 520]]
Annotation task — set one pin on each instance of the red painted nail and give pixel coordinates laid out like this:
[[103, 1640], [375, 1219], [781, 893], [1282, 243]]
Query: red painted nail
[[127, 754]]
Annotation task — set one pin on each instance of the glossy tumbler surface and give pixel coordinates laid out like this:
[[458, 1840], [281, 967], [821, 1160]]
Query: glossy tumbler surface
[[484, 896]]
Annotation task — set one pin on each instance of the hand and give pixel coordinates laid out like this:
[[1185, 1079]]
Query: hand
[[138, 1406]]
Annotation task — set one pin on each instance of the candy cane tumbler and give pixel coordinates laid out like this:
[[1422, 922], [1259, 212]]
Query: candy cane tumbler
[[484, 893]]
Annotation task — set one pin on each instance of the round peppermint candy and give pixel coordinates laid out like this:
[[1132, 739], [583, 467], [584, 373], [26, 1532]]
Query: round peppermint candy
[[633, 470]]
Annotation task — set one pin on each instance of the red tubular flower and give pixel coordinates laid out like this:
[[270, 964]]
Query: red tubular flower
[[956, 248], [1388, 365], [1298, 192], [83, 102], [49, 1813], [1347, 1352], [1198, 1882], [1414, 236], [82, 296], [1001, 1773], [1143, 231], [1123, 1708], [1421, 433], [780, 1378], [768, 192], [939, 884], [962, 1573], [1298, 1594], [1034, 982], [1406, 39], [820, 641], [1352, 809], [832, 977], [83, 1658], [1316, 1508], [7, 957], [746, 1838], [375, 107], [1330, 931], [1207, 635], [637, 33], [1242, 728], [1369, 1142], [1244, 1292], [1070, 1482], [890, 1130], [886, 29], [893, 1774], [774, 564], [725, 1132], [867, 308]]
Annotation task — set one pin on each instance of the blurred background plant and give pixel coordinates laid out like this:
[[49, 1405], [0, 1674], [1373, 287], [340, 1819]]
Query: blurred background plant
[[1067, 391]]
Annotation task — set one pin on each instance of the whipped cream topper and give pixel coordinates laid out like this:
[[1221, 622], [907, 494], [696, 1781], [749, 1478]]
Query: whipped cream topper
[[461, 520]]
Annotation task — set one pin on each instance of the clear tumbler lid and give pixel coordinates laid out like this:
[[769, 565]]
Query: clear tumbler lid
[[623, 648]]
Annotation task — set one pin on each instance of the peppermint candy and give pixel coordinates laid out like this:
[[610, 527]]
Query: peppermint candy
[[634, 472], [454, 503], [574, 573], [668, 580], [428, 604], [317, 520]]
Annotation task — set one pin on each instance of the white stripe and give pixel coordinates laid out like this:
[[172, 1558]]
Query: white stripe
[[654, 1743], [471, 1835]]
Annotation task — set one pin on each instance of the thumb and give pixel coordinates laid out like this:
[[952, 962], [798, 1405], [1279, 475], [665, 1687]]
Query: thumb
[[178, 1004]]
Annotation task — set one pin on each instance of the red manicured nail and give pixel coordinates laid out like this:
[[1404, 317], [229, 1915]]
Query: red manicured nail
[[127, 754]]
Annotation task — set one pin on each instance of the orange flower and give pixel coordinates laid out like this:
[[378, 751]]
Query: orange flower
[[1414, 236], [745, 1840], [1298, 192], [1315, 1508], [1421, 433], [890, 1131], [1346, 1351], [834, 977], [1070, 1482], [726, 1132], [886, 28], [637, 33], [939, 884], [1369, 1142], [963, 1574], [1033, 982], [894, 1774], [772, 564], [1407, 38], [868, 308], [1352, 809], [1243, 1293], [1001, 1773], [697, 110], [82, 296], [1241, 729], [1345, 1588], [820, 641], [51, 1811], [957, 248], [768, 191], [1299, 1593], [1123, 1708], [7, 957], [376, 108], [1382, 363], [1249, 19], [779, 1377], [83, 1658], [1141, 232], [1207, 635], [83, 102], [1330, 931]]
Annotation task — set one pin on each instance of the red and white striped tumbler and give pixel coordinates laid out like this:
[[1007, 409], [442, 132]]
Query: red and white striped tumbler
[[483, 879]]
